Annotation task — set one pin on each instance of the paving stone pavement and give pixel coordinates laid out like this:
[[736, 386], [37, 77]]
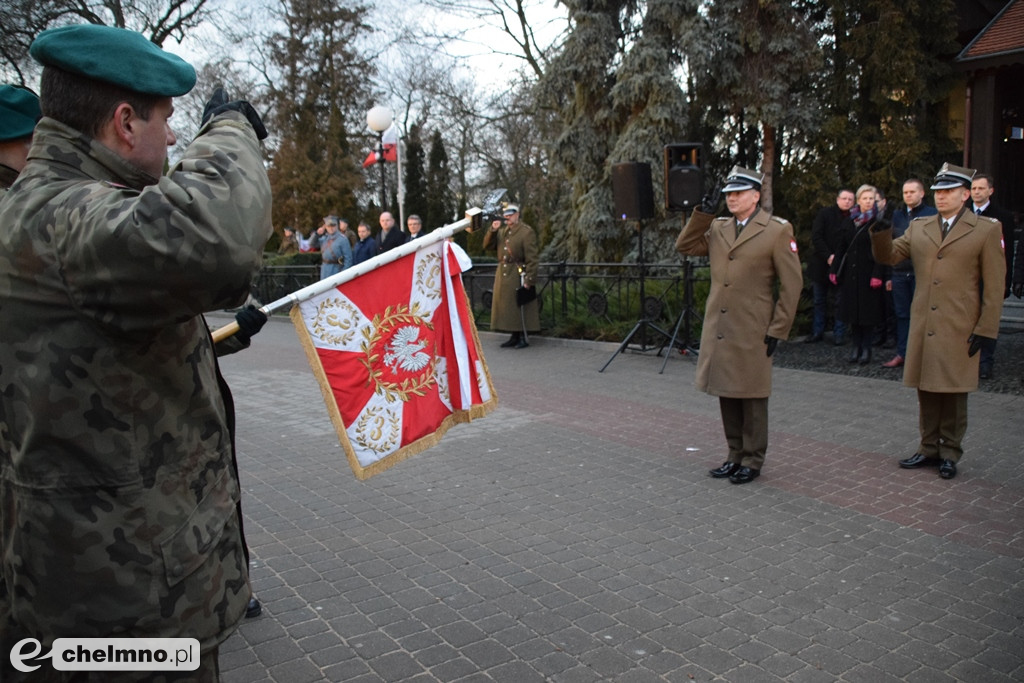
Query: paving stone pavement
[[574, 535]]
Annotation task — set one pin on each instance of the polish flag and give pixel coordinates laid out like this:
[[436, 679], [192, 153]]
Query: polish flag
[[397, 356], [390, 141]]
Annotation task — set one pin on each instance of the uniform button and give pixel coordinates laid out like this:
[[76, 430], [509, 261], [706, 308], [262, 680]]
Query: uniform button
[[720, 336], [726, 284], [934, 308], [939, 256], [935, 282], [731, 257], [723, 310], [177, 570], [931, 334]]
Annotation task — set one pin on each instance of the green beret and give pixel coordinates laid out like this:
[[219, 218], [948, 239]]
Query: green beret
[[19, 111], [114, 55]]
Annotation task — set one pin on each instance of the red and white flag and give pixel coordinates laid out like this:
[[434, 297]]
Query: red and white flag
[[390, 142], [397, 356]]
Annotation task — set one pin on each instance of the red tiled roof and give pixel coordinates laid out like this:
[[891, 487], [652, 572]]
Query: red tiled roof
[[1004, 34]]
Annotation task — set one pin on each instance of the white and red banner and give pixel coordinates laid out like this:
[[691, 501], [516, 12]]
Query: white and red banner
[[397, 356], [389, 143]]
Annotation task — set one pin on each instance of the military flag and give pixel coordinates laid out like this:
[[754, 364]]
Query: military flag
[[396, 353]]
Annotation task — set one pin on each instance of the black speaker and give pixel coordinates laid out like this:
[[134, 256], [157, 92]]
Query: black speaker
[[632, 192], [684, 179]]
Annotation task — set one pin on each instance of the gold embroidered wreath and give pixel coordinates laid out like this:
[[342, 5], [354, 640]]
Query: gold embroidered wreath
[[382, 328]]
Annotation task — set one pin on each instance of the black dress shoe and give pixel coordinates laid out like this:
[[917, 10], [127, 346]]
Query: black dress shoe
[[918, 460], [744, 475], [865, 356], [521, 344], [947, 470], [854, 353], [814, 339], [253, 609], [726, 470], [511, 342]]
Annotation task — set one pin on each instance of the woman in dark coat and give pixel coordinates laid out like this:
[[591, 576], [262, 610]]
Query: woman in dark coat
[[859, 277]]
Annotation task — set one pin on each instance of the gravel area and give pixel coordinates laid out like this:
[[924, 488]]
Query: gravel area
[[825, 356]]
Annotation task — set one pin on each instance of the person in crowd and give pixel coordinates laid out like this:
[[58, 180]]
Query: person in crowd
[[982, 188], [514, 305], [750, 252], [824, 238], [859, 277], [335, 253], [19, 112], [958, 298], [415, 225], [901, 275], [289, 243], [390, 236], [122, 507], [366, 247], [349, 234]]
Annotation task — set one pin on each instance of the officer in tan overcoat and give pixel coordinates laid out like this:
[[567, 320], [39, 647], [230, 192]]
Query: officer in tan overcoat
[[960, 272], [743, 321], [518, 261]]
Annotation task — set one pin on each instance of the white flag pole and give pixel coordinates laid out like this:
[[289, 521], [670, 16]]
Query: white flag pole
[[355, 271]]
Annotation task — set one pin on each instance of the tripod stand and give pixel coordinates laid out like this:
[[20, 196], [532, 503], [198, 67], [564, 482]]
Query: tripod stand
[[685, 316], [644, 322]]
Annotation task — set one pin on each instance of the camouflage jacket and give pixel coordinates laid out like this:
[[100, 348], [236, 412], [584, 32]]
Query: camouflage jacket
[[118, 485], [7, 177]]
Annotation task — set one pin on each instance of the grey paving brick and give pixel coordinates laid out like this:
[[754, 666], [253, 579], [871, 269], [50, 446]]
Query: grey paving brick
[[572, 536]]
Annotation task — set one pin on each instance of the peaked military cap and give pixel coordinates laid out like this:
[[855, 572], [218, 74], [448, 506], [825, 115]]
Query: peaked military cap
[[510, 209], [114, 55], [743, 179], [19, 112], [951, 176]]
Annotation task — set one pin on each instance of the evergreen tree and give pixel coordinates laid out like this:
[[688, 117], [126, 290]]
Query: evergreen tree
[[415, 182], [440, 203], [319, 96]]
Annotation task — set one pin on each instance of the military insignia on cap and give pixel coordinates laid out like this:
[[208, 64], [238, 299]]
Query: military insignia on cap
[[114, 55], [743, 179], [950, 176]]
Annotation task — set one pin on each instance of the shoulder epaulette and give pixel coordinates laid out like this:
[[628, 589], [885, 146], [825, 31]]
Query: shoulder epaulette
[[780, 220], [921, 218]]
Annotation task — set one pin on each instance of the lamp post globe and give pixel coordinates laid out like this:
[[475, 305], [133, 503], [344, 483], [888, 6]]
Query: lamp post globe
[[379, 119]]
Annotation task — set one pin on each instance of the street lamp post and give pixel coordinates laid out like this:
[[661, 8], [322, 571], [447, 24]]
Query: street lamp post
[[379, 120]]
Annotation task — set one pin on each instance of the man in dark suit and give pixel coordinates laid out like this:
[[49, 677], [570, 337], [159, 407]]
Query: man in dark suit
[[390, 236], [982, 188], [824, 235]]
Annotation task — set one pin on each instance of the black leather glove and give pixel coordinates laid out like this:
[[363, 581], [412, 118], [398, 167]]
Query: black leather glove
[[881, 223], [1018, 289], [771, 343], [975, 341], [709, 203], [219, 104], [250, 321]]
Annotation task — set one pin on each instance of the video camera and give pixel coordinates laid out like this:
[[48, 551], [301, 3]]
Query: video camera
[[491, 210]]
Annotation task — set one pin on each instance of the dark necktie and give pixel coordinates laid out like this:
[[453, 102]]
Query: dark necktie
[[945, 229]]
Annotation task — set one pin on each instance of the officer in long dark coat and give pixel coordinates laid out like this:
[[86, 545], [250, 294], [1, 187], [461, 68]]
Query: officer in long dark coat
[[518, 263]]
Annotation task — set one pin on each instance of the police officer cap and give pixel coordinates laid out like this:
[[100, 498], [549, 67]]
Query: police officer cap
[[114, 55], [510, 209], [951, 176], [19, 112], [743, 179]]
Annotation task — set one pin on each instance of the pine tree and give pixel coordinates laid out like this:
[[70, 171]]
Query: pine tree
[[317, 100], [414, 180], [440, 203]]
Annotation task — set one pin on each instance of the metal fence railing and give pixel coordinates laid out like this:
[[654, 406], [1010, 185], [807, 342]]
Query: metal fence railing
[[603, 293]]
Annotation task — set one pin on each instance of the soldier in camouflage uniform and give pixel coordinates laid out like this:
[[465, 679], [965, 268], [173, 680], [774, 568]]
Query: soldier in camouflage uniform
[[119, 491], [19, 111]]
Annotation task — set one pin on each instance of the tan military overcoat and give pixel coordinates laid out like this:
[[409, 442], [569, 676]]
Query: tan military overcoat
[[518, 261], [741, 308], [949, 305]]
